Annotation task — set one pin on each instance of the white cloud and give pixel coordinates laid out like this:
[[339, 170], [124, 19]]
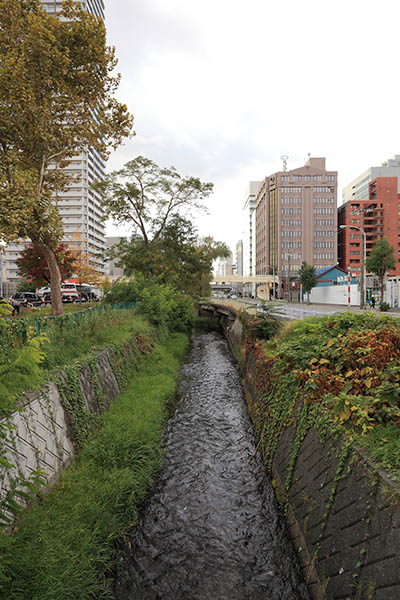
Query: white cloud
[[221, 89]]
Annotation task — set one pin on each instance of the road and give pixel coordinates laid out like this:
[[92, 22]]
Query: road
[[295, 310]]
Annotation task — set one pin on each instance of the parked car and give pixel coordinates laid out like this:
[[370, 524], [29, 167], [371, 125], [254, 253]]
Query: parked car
[[67, 297], [25, 299]]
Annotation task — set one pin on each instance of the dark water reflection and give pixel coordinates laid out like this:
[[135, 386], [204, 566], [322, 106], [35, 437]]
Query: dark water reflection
[[212, 530]]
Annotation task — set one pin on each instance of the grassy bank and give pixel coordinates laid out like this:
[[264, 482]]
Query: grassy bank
[[342, 370], [63, 343], [64, 546]]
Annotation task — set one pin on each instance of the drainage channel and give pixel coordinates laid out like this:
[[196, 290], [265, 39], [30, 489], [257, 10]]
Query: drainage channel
[[212, 529]]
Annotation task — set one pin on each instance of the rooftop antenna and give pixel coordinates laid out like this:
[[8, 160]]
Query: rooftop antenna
[[284, 160]]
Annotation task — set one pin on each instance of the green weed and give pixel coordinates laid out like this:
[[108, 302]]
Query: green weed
[[65, 544]]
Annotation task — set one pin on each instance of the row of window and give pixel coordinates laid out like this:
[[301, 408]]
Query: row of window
[[317, 200], [291, 233], [323, 244], [293, 267], [292, 256], [287, 178], [324, 189], [291, 200], [291, 190], [291, 222], [323, 255], [323, 211], [323, 200], [323, 222], [323, 233], [291, 245], [291, 211]]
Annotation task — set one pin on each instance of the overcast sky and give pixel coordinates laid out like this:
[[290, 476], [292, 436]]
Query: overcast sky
[[221, 89]]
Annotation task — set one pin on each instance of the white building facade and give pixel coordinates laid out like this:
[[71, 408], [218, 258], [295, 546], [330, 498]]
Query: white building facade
[[358, 189]]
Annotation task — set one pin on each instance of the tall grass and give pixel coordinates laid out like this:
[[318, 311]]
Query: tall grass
[[65, 544]]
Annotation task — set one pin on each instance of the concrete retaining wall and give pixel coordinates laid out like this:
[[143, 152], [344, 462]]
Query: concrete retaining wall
[[42, 436], [345, 529]]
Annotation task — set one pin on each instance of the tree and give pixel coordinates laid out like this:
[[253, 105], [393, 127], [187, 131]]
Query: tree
[[56, 99], [381, 259], [26, 286], [177, 256], [308, 278], [33, 266], [85, 270], [148, 197]]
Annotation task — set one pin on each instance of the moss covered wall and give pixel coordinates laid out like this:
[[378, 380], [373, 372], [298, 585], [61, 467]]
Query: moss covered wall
[[343, 513], [53, 421]]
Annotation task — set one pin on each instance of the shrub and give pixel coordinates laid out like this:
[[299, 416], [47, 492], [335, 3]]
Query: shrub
[[163, 305], [384, 306]]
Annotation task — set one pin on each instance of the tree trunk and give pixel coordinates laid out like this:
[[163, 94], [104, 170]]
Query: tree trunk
[[382, 286], [57, 307]]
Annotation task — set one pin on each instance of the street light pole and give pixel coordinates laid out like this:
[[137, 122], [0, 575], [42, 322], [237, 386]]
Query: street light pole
[[273, 277], [363, 261]]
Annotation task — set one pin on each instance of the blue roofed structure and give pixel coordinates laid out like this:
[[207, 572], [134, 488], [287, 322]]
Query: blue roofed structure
[[333, 276]]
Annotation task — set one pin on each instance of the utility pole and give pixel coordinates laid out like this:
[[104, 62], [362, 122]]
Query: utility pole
[[288, 278]]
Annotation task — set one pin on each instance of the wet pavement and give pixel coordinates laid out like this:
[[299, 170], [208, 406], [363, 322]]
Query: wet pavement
[[212, 529]]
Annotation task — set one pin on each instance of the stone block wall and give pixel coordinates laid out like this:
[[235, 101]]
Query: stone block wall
[[42, 435], [343, 514]]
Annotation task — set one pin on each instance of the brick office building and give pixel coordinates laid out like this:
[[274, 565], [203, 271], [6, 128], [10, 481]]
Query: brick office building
[[296, 220], [378, 215]]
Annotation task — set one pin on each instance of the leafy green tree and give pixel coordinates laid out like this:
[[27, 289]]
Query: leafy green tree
[[381, 259], [148, 197], [56, 99], [158, 203], [308, 278], [177, 257]]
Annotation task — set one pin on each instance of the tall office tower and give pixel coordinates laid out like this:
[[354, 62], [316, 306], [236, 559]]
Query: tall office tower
[[358, 189], [79, 207], [296, 219], [249, 233], [377, 215], [239, 258]]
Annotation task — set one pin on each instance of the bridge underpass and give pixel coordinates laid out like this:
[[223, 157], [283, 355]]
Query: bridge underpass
[[263, 284]]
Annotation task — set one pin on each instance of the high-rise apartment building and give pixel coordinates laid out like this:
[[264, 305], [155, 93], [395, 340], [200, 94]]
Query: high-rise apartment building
[[249, 206], [79, 207], [296, 219], [249, 237], [378, 216], [239, 258]]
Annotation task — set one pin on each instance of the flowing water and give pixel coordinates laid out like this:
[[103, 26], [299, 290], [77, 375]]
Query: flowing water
[[212, 529]]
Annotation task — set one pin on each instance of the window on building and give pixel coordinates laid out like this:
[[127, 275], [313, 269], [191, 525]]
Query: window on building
[[324, 189], [323, 222], [323, 233], [323, 200], [323, 211], [291, 190]]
